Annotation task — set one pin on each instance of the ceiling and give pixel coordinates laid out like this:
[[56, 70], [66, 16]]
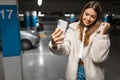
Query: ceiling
[[65, 6]]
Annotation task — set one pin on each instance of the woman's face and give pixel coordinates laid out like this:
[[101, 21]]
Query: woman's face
[[89, 17]]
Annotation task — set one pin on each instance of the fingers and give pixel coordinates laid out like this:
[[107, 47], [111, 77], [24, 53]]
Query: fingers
[[57, 36], [105, 27], [59, 40], [58, 32]]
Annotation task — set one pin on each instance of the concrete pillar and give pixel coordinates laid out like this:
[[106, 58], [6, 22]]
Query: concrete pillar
[[27, 19], [33, 20], [10, 37]]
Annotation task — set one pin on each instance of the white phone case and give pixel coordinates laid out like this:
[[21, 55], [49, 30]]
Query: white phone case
[[62, 24]]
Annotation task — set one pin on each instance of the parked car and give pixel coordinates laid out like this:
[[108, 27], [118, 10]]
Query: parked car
[[29, 38]]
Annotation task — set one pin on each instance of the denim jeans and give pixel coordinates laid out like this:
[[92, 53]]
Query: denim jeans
[[80, 73]]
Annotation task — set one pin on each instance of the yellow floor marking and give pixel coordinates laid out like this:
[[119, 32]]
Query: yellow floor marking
[[42, 35]]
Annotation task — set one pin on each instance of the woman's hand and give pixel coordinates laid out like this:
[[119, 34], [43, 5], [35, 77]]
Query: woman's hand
[[57, 37], [105, 27]]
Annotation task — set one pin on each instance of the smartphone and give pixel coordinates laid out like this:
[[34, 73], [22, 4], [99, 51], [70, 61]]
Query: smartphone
[[62, 24]]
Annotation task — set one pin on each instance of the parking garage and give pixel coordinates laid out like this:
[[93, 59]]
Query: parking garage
[[31, 58]]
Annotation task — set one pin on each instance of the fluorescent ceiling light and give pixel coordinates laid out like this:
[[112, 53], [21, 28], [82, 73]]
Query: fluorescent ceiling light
[[39, 14], [21, 14], [39, 2], [66, 15]]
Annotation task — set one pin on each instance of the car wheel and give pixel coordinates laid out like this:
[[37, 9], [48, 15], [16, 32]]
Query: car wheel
[[26, 44]]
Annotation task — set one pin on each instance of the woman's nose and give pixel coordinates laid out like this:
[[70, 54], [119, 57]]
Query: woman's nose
[[88, 17]]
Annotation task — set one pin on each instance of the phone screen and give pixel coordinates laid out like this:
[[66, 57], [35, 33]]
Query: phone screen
[[62, 24]]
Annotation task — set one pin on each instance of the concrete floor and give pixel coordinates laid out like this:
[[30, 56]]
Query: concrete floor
[[40, 64], [112, 65]]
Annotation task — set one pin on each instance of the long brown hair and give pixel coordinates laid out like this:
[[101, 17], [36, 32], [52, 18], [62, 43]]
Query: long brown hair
[[97, 8]]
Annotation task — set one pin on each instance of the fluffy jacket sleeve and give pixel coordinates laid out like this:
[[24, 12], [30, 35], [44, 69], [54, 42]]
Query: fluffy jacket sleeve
[[100, 48]]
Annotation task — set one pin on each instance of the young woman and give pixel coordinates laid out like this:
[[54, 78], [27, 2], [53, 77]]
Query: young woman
[[86, 43]]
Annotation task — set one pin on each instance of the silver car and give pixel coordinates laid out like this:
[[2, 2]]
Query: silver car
[[29, 38]]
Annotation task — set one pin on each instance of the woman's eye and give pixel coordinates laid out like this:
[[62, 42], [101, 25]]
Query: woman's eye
[[93, 17], [86, 14]]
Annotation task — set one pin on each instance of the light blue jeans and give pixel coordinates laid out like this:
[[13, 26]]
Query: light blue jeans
[[80, 73]]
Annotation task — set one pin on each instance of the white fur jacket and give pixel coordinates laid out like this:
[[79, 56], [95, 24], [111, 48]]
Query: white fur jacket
[[95, 54]]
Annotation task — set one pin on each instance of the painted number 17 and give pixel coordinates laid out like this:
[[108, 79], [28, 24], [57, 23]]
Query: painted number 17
[[9, 12]]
